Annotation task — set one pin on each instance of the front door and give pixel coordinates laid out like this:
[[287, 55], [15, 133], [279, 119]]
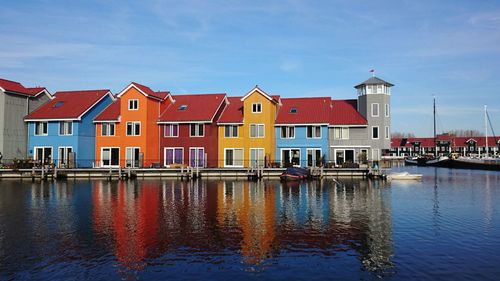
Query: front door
[[313, 157], [290, 157], [64, 152], [132, 157], [256, 157], [110, 157], [349, 155], [196, 156], [43, 154]]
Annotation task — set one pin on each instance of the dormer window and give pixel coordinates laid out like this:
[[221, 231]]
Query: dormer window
[[293, 110], [183, 107], [256, 107], [133, 104]]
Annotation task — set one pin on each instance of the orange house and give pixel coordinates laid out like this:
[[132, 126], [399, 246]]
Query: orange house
[[126, 131]]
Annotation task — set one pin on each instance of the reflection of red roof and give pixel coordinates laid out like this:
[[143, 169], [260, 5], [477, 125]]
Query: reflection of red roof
[[305, 111], [345, 112], [68, 105], [149, 92], [111, 113], [233, 112], [16, 87], [454, 141], [201, 107]]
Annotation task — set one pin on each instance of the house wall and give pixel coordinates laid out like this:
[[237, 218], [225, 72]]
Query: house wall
[[13, 131], [2, 122], [238, 142], [53, 140], [302, 142], [36, 102], [108, 141]]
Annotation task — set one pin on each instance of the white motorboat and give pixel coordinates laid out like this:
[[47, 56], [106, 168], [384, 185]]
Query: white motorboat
[[404, 176]]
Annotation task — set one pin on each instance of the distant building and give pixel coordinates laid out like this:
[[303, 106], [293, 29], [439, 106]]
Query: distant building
[[62, 130], [16, 101]]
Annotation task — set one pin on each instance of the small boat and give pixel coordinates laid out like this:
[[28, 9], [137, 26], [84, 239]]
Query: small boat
[[404, 176], [294, 173]]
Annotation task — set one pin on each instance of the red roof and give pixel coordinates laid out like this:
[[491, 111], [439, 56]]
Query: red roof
[[199, 107], [233, 112], [345, 112], [454, 141], [304, 111], [68, 105], [111, 113], [16, 87], [149, 92]]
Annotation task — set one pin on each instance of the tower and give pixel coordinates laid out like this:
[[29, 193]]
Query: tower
[[374, 103]]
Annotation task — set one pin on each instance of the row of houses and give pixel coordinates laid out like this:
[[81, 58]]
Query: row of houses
[[444, 145], [140, 127]]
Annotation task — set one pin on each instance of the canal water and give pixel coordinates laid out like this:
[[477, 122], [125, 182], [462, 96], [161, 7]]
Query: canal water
[[445, 227]]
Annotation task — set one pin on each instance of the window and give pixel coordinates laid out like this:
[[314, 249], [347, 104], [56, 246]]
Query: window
[[233, 157], [387, 112], [110, 156], [341, 133], [133, 104], [293, 110], [183, 107], [256, 130], [287, 132], [108, 129], [314, 157], [256, 107], [379, 89], [257, 157], [375, 109], [197, 157], [230, 131], [133, 128], [41, 128], [171, 130], [313, 132], [65, 128], [197, 130], [375, 132], [174, 155], [64, 155], [387, 132]]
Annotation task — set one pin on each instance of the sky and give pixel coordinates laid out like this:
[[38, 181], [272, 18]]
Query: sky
[[449, 49]]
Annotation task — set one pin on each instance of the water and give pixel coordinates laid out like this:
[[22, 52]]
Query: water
[[446, 227]]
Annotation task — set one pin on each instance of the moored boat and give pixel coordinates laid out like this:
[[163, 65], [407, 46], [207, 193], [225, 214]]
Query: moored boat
[[404, 176], [294, 173]]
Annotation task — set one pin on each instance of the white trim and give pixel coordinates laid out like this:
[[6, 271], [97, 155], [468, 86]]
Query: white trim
[[242, 160], [102, 161], [165, 130], [230, 123], [378, 110], [46, 93], [107, 121], [184, 122], [387, 110], [258, 90], [350, 126], [43, 134], [133, 100], [258, 105], [218, 108], [289, 149], [92, 106], [59, 129], [165, 155], [344, 150], [133, 128], [51, 153], [301, 124], [140, 91], [47, 120]]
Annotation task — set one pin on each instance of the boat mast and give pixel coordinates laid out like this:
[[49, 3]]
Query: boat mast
[[486, 129], [435, 142]]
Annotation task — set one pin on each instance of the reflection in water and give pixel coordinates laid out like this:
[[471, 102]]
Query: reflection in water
[[262, 221]]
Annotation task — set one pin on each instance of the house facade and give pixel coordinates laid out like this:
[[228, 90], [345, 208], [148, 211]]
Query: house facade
[[188, 130], [302, 132], [127, 131], [249, 124], [62, 132], [360, 129], [17, 101]]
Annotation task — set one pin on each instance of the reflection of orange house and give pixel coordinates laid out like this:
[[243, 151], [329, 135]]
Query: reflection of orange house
[[126, 131]]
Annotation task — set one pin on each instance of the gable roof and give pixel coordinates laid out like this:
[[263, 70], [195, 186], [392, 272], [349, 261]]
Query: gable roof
[[233, 112], [454, 141], [306, 111], [374, 81], [110, 113], [345, 112], [146, 91], [197, 108], [17, 88], [274, 99], [68, 105]]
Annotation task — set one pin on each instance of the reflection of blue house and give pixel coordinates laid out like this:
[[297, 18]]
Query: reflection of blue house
[[62, 131], [302, 131]]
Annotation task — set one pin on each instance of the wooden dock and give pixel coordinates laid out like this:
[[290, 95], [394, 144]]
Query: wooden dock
[[179, 173]]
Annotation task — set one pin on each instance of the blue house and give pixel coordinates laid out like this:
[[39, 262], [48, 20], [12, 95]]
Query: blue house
[[302, 131], [62, 130]]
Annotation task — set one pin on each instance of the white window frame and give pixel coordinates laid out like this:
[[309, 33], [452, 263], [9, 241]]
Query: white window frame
[[257, 135], [314, 155], [102, 157], [197, 130], [134, 132], [108, 125], [131, 104], [197, 148], [231, 130], [387, 110], [377, 105], [65, 128], [313, 132], [43, 149], [288, 130], [289, 149], [165, 155], [65, 151], [375, 154], [170, 128], [234, 159], [341, 133], [378, 133], [133, 160], [257, 107], [387, 133], [37, 124], [260, 161]]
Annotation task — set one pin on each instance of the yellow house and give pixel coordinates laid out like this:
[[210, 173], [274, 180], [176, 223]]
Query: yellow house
[[246, 130]]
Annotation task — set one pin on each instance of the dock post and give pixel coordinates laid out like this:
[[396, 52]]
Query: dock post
[[55, 173], [128, 173], [43, 172], [33, 173]]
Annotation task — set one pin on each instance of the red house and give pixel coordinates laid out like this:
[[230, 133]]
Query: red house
[[188, 130]]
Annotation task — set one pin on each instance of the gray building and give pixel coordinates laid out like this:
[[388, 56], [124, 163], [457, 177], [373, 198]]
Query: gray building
[[17, 101], [360, 129]]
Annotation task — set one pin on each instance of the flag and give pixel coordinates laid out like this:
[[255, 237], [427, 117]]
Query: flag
[[372, 70]]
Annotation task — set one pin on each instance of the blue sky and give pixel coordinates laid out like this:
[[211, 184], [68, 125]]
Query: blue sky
[[446, 48]]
